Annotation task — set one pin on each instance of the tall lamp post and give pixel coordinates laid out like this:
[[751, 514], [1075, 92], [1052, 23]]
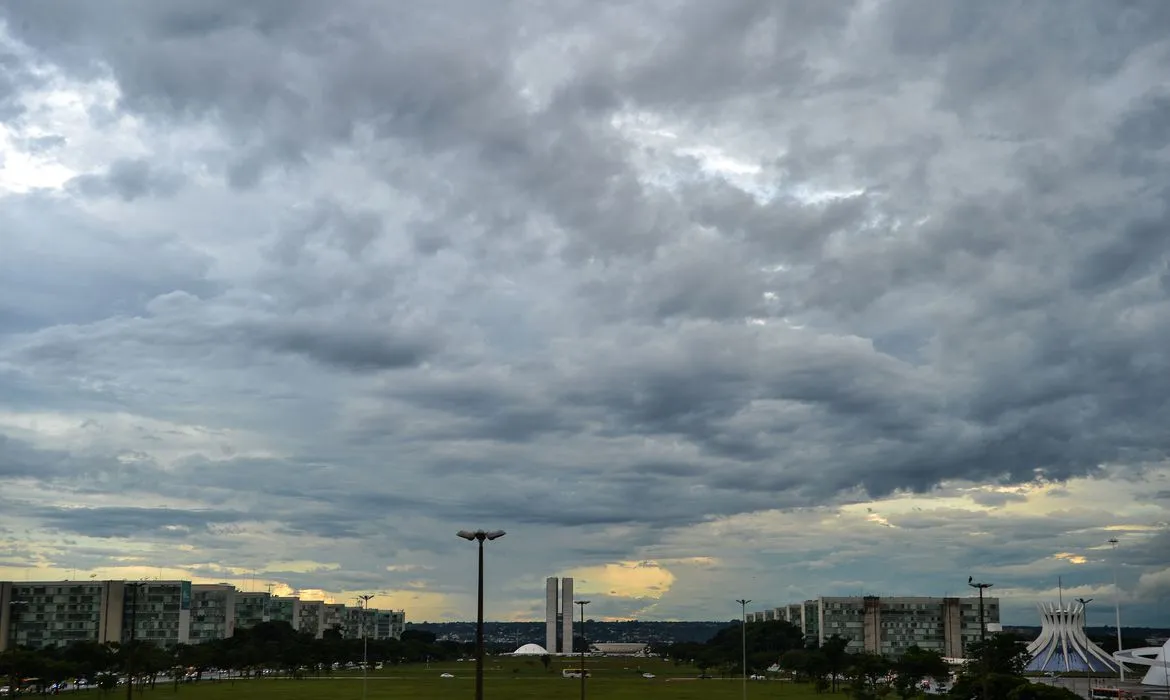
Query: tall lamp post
[[1117, 604], [479, 536], [584, 643], [365, 600], [1085, 602], [130, 646], [743, 638], [981, 587], [982, 629]]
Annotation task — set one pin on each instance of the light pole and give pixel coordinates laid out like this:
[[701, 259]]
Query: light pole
[[1117, 605], [365, 599], [130, 646], [1085, 602], [982, 629], [479, 536], [584, 643], [743, 637]]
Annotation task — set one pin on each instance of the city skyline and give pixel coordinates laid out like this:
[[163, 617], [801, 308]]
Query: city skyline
[[696, 300]]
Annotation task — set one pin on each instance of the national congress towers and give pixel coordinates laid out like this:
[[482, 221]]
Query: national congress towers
[[558, 615]]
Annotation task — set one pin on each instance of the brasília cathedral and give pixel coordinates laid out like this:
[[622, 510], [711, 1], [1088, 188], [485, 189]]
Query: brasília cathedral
[[1062, 646]]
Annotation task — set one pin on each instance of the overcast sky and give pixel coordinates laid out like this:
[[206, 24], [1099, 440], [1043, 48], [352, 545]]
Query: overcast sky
[[697, 300]]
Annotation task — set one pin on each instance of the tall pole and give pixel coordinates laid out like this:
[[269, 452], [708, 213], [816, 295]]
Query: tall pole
[[479, 630], [1117, 605], [743, 638], [130, 645], [584, 643], [982, 631], [365, 599], [480, 536]]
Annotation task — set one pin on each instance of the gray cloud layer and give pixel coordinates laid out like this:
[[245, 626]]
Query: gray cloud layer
[[629, 268]]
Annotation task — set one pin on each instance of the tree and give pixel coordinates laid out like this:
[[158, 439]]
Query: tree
[[994, 669], [546, 661], [866, 673], [835, 653], [1001, 653], [913, 666], [1037, 691]]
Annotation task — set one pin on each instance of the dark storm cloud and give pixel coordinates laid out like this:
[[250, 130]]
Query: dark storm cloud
[[624, 267], [164, 523], [345, 347]]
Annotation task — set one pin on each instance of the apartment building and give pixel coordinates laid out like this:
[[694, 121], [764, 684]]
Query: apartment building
[[40, 614], [311, 618], [157, 611], [389, 624], [213, 612], [889, 626], [58, 613]]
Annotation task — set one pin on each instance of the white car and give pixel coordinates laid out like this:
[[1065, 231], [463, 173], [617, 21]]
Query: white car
[[446, 675]]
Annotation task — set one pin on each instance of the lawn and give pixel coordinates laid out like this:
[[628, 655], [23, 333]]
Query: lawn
[[504, 679]]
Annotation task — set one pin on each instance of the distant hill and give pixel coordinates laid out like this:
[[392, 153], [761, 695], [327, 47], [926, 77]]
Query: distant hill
[[513, 634]]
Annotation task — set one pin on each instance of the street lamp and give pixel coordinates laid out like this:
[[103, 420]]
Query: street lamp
[[584, 643], [479, 536], [743, 638], [981, 587], [130, 645], [1085, 602], [982, 628], [1117, 605], [365, 605]]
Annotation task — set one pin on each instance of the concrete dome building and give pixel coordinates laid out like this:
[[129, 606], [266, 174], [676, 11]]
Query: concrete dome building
[[1062, 645], [530, 650]]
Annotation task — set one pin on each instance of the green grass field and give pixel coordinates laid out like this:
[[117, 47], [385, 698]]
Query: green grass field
[[504, 679]]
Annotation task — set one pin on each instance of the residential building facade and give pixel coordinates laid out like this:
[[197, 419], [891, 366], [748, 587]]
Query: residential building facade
[[40, 614], [891, 625], [213, 612]]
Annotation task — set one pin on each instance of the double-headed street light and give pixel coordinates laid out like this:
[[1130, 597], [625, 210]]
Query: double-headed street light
[[982, 627], [479, 536], [365, 605], [743, 629], [584, 643]]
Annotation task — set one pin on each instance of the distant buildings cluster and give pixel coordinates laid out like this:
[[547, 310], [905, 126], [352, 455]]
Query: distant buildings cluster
[[40, 614], [890, 625]]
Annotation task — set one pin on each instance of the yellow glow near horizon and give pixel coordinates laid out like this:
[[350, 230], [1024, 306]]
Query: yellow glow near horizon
[[625, 579]]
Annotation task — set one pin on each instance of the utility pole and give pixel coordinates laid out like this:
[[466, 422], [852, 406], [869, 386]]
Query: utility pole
[[743, 639]]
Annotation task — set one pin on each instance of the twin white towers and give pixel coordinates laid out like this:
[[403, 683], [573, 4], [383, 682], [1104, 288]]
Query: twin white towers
[[558, 616]]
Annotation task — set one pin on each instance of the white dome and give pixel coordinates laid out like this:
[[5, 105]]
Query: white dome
[[530, 650]]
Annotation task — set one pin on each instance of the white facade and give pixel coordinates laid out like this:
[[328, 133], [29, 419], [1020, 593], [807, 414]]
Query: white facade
[[1157, 658], [551, 606], [558, 615], [566, 616]]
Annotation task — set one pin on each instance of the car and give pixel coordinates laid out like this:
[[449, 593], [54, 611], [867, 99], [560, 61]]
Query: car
[[446, 675]]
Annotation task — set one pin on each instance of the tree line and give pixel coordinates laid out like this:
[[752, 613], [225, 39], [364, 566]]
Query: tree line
[[994, 670], [273, 646]]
